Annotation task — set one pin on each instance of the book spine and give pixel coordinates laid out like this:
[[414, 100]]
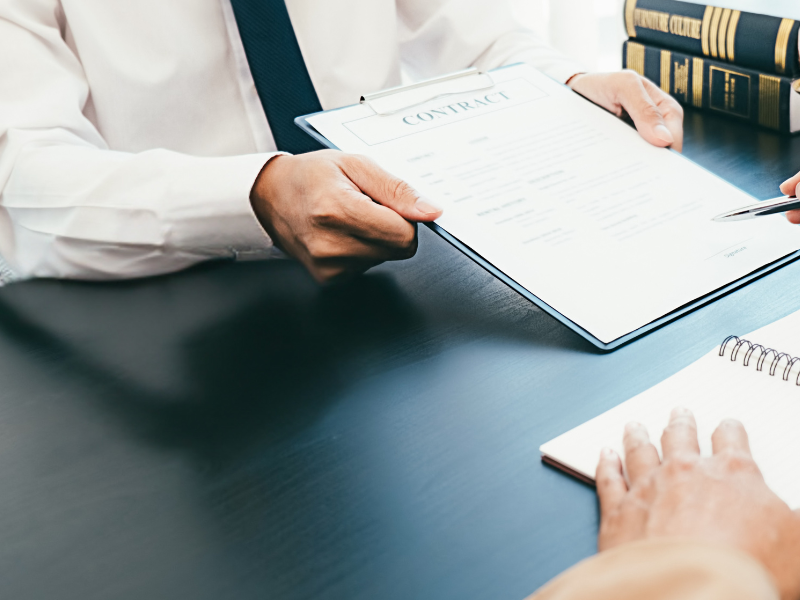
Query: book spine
[[761, 98], [760, 42]]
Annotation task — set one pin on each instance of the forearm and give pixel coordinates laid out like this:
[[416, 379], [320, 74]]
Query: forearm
[[69, 206], [73, 210], [664, 570]]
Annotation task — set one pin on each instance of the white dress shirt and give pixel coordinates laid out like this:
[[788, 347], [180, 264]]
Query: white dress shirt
[[131, 133]]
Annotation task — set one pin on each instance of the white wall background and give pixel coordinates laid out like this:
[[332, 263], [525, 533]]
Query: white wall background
[[590, 31]]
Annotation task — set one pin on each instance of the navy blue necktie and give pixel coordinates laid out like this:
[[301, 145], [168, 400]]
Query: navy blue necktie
[[278, 69]]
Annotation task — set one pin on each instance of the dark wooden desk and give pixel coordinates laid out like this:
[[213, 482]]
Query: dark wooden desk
[[236, 432]]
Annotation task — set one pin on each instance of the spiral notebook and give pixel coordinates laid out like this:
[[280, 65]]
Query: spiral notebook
[[755, 379]]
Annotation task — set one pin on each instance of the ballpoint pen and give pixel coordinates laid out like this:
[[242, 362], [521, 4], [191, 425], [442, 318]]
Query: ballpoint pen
[[762, 209]]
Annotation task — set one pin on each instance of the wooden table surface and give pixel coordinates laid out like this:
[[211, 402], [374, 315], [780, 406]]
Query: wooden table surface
[[235, 431]]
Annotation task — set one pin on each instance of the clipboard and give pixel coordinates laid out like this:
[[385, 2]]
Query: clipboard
[[396, 99]]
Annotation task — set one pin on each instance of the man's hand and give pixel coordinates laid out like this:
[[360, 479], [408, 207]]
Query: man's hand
[[791, 187], [656, 114], [721, 499], [338, 214]]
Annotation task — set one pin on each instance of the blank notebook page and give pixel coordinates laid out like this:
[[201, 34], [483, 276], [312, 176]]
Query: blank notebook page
[[714, 388]]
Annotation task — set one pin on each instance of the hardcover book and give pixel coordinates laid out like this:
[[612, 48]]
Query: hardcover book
[[759, 42], [765, 99]]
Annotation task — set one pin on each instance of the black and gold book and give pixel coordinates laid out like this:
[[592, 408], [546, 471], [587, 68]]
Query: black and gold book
[[762, 98], [759, 42]]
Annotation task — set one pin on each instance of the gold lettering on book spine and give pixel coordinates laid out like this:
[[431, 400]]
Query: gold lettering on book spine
[[722, 41], [782, 45], [636, 57], [685, 27], [630, 9], [651, 19], [769, 101], [732, 26], [682, 80], [714, 33], [667, 23], [666, 70], [707, 30], [697, 81]]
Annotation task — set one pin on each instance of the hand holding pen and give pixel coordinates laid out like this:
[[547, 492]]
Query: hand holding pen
[[789, 205], [791, 187]]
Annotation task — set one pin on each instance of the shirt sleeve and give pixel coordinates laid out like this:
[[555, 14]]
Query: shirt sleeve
[[441, 36], [664, 570], [71, 207]]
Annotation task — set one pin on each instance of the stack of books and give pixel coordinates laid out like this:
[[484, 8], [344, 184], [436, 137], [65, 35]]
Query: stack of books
[[741, 64]]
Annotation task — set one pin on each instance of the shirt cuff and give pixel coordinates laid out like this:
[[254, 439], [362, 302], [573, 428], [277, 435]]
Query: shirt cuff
[[217, 219]]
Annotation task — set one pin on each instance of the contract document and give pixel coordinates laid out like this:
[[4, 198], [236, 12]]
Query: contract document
[[567, 203]]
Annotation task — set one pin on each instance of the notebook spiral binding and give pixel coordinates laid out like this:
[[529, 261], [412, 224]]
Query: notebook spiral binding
[[763, 354]]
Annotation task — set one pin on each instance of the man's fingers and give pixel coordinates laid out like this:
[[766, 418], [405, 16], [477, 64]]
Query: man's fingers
[[645, 113], [671, 112], [359, 216], [611, 487], [673, 120], [730, 435], [680, 436], [335, 245], [388, 190], [641, 457], [789, 187]]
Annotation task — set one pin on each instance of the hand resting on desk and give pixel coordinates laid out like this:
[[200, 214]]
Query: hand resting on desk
[[722, 499]]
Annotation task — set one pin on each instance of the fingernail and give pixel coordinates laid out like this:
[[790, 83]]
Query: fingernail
[[633, 426], [607, 453], [424, 206], [663, 134], [680, 411]]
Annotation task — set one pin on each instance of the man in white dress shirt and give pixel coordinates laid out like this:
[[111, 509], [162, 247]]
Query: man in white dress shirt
[[133, 141]]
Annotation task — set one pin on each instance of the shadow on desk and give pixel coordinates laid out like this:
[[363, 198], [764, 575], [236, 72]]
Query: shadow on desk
[[236, 371], [223, 354], [219, 355]]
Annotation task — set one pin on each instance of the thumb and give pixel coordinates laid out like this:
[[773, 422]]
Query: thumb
[[789, 187], [646, 115], [389, 191]]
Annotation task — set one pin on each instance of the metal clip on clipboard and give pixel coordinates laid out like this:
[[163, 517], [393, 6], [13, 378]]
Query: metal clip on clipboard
[[397, 99]]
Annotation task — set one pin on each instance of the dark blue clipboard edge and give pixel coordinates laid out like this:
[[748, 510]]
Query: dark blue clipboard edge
[[302, 123]]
